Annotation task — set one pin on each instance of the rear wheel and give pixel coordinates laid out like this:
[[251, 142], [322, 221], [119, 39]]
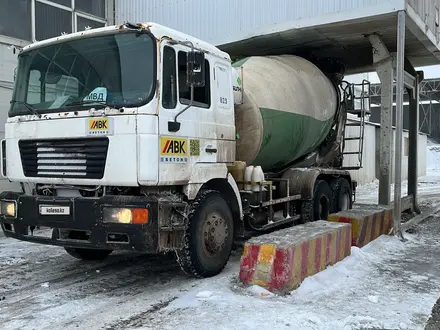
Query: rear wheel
[[209, 236], [322, 199], [342, 197], [319, 207], [88, 254]]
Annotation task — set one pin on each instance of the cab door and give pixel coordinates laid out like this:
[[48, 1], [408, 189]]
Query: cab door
[[224, 111], [196, 139]]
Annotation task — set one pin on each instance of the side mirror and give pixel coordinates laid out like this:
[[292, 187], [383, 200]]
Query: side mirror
[[195, 69]]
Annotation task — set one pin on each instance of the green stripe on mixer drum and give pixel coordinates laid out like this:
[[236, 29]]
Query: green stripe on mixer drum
[[297, 135]]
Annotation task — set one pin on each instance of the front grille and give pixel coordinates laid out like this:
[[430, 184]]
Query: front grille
[[72, 158]]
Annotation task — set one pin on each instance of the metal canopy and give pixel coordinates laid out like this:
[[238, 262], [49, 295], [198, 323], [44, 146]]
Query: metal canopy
[[345, 40]]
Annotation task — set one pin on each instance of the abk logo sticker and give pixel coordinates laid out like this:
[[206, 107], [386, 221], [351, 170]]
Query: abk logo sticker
[[173, 150], [99, 126]]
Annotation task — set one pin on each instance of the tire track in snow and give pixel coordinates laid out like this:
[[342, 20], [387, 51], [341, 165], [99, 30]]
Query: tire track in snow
[[112, 283]]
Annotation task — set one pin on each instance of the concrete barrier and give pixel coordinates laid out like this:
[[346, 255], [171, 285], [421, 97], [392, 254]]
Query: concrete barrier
[[368, 222], [281, 260]]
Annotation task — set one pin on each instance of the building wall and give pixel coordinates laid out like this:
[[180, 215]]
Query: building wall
[[221, 22], [428, 10], [370, 170], [428, 118]]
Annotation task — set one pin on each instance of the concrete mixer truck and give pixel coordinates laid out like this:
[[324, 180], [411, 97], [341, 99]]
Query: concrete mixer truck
[[138, 137]]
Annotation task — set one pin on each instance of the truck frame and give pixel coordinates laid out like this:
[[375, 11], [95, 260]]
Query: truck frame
[[155, 172]]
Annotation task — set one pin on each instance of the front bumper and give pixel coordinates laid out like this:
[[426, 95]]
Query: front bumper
[[84, 227]]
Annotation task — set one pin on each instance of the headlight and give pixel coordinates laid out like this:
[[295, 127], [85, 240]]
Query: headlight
[[125, 215], [8, 208]]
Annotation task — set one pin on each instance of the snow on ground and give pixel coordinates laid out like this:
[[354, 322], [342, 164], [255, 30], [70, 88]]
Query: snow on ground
[[388, 284], [370, 289]]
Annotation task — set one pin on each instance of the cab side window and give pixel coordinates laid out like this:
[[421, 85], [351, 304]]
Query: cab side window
[[169, 74], [202, 95]]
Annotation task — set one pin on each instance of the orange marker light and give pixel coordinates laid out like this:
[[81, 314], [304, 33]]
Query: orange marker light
[[139, 216]]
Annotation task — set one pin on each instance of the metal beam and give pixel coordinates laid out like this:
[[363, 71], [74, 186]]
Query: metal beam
[[409, 81], [400, 79], [429, 90], [408, 78], [383, 61], [413, 143], [110, 12]]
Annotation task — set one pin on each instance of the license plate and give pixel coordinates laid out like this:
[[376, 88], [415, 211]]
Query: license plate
[[54, 210], [99, 126]]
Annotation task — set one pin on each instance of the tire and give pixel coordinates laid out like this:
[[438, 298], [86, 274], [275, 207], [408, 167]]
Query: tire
[[306, 212], [209, 236], [342, 197], [88, 254], [319, 207], [322, 198]]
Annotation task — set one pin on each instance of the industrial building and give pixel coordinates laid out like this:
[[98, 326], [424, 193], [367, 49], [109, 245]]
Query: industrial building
[[360, 33]]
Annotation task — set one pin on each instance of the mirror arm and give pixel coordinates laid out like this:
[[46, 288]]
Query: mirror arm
[[188, 106]]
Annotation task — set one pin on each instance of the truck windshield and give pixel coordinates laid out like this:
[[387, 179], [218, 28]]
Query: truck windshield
[[117, 70]]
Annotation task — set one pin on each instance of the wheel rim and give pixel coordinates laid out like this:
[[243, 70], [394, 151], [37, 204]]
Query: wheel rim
[[345, 202], [215, 233]]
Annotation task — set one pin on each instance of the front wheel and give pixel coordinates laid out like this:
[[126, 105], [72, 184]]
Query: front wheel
[[88, 254], [209, 236]]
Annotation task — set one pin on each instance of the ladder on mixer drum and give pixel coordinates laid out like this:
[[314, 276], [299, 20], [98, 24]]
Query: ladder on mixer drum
[[357, 102]]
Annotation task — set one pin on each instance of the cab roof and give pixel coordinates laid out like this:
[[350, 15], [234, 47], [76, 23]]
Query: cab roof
[[158, 31]]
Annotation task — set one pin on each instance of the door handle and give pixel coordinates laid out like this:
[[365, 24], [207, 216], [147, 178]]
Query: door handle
[[211, 151]]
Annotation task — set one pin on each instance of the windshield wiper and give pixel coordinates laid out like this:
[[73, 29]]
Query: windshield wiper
[[84, 102], [31, 109]]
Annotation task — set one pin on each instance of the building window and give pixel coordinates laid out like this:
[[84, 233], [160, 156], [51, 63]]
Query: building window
[[15, 19], [95, 7], [54, 17], [82, 23], [202, 95], [51, 21], [67, 3]]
